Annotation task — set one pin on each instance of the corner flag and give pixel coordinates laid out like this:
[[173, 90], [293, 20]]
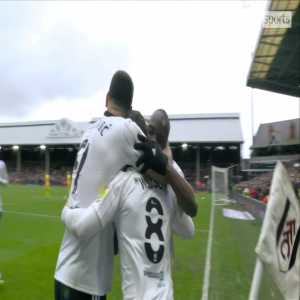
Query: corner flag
[[278, 244]]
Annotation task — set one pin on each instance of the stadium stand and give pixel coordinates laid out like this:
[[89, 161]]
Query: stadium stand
[[277, 140], [259, 185], [276, 67], [32, 149], [273, 141]]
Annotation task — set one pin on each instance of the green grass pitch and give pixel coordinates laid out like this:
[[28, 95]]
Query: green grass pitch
[[31, 232]]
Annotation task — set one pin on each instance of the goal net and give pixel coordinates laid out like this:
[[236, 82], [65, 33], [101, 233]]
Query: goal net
[[220, 185]]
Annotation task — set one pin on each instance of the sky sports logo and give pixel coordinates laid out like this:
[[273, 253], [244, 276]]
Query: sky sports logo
[[278, 19]]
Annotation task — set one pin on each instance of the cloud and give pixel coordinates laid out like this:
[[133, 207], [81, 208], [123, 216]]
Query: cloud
[[38, 64]]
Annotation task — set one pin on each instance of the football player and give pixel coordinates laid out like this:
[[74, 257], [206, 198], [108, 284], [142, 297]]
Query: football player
[[85, 271], [145, 214], [3, 181]]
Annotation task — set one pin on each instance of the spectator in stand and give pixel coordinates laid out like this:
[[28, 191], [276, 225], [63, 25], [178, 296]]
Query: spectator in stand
[[253, 193], [259, 193], [265, 197], [246, 192], [68, 180], [200, 185]]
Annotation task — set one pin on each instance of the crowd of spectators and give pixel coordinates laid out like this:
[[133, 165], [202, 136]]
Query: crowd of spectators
[[36, 175], [259, 186], [256, 188]]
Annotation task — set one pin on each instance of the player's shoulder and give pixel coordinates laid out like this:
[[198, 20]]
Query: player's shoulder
[[123, 177], [131, 126], [116, 122], [103, 125]]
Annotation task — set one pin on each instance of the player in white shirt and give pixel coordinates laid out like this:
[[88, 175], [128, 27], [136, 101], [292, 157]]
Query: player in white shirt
[[3, 181], [159, 130], [106, 147], [145, 214]]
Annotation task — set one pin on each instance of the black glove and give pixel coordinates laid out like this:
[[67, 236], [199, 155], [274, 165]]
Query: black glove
[[152, 156]]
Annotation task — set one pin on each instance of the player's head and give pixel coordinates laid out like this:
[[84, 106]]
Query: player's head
[[138, 118], [159, 127], [120, 94]]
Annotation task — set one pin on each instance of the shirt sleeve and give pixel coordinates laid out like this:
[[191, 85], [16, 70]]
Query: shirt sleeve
[[131, 131], [183, 224], [108, 206], [81, 222], [86, 222]]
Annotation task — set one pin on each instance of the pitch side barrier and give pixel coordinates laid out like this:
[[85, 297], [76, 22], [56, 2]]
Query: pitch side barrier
[[255, 207]]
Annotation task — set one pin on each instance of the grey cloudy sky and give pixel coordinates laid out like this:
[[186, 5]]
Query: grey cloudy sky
[[57, 59]]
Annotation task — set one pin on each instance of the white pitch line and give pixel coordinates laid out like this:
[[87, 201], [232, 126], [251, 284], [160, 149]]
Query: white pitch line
[[206, 279], [30, 214], [202, 230]]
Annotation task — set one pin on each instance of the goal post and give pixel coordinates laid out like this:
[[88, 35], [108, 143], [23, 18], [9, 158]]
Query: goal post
[[220, 185]]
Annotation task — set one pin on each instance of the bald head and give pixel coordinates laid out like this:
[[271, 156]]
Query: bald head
[[159, 127]]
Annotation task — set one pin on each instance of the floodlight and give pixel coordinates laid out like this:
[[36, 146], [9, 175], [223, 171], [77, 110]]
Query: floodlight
[[184, 146], [220, 148], [233, 147]]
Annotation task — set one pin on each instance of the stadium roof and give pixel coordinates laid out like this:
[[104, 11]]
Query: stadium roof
[[206, 128], [200, 128], [62, 131], [276, 64]]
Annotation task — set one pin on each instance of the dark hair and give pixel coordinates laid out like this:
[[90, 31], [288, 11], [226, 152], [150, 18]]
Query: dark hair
[[138, 118], [121, 89]]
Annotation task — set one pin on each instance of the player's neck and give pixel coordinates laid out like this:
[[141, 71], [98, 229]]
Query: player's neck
[[115, 111]]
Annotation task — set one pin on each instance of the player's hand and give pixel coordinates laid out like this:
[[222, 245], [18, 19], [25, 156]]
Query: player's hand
[[152, 157]]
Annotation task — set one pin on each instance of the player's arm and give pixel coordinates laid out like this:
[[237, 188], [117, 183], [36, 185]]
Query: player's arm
[[182, 224], [183, 191], [4, 176], [81, 222], [86, 222]]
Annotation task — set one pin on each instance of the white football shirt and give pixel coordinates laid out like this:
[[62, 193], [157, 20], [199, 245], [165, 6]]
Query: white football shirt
[[107, 145], [3, 179], [3, 173], [144, 213]]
